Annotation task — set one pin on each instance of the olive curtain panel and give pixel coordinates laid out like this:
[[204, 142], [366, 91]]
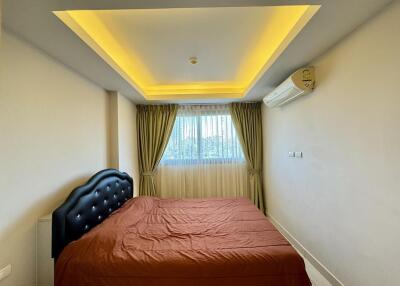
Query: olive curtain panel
[[247, 120], [154, 127]]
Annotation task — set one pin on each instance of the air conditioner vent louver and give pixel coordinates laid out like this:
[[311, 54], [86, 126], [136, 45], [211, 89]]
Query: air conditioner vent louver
[[299, 83]]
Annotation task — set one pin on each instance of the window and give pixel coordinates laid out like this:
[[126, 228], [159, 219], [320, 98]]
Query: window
[[201, 135], [203, 157]]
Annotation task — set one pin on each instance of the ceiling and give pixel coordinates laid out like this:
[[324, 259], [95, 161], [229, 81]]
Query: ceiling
[[151, 48], [142, 48]]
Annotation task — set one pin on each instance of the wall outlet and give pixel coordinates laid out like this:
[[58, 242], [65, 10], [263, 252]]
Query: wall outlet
[[6, 271]]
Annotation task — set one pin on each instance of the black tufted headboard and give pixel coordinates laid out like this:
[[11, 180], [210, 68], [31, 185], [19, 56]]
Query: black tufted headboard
[[88, 205]]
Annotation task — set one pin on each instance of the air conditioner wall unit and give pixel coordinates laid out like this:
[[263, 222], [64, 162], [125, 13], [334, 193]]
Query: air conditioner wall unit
[[301, 82]]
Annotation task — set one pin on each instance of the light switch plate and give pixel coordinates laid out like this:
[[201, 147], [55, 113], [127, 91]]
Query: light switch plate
[[298, 154], [6, 271], [291, 154]]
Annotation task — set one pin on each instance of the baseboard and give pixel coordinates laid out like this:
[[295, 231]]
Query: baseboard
[[307, 254]]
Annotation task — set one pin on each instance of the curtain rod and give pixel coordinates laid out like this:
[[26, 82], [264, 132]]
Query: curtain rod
[[207, 103], [217, 103]]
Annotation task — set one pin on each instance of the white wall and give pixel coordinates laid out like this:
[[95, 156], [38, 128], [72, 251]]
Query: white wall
[[342, 200], [1, 17], [53, 136], [123, 136], [127, 140]]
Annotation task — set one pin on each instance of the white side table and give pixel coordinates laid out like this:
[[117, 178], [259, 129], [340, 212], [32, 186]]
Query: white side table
[[44, 262]]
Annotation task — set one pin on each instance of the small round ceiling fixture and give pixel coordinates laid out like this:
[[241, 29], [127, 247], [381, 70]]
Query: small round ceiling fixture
[[193, 60]]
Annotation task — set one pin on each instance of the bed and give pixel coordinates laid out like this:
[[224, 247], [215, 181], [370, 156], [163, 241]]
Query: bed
[[104, 236]]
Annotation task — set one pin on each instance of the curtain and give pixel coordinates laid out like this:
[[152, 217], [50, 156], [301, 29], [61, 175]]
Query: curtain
[[247, 120], [154, 124], [203, 157]]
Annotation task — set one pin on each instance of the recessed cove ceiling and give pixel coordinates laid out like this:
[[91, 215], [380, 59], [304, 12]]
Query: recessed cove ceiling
[[153, 49]]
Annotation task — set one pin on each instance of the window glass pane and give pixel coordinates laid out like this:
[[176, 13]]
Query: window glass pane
[[218, 139], [203, 135], [183, 143]]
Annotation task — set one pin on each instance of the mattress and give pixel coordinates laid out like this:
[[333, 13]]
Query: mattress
[[151, 241]]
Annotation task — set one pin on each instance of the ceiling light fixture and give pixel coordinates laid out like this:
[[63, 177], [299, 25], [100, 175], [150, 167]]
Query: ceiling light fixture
[[193, 60]]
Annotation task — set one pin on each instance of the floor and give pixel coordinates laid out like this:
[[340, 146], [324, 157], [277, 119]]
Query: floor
[[316, 278]]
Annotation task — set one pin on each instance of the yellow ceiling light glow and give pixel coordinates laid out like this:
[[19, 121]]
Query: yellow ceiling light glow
[[284, 23]]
